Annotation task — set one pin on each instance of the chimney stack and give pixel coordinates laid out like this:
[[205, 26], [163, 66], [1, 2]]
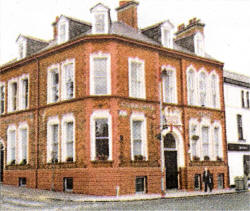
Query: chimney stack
[[194, 25], [54, 24], [127, 13]]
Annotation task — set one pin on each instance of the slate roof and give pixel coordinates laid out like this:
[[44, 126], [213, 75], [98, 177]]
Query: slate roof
[[236, 79]]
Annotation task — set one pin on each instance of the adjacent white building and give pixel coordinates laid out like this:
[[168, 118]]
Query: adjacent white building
[[237, 105]]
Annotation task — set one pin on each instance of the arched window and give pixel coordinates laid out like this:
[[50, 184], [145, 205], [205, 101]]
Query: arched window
[[203, 89], [214, 85], [191, 86]]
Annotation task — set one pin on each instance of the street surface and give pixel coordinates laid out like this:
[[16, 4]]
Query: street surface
[[234, 201]]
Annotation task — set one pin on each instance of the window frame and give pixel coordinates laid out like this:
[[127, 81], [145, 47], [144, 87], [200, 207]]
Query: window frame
[[63, 79], [192, 69], [199, 44], [10, 97], [100, 114], [220, 152], [172, 70], [205, 91], [131, 60], [61, 22], [50, 70], [52, 121], [240, 127], [217, 90], [66, 119], [21, 127], [10, 145], [2, 98], [100, 55], [194, 122], [144, 148], [21, 89]]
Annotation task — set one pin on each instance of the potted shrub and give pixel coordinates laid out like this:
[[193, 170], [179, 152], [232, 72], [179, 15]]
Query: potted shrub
[[138, 157], [196, 158], [13, 162], [195, 137], [101, 157], [55, 160], [218, 158], [69, 159], [23, 162], [206, 158]]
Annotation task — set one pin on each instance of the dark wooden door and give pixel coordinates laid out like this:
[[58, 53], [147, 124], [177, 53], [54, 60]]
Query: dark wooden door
[[171, 169]]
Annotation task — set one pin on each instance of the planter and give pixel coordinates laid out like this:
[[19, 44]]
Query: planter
[[195, 137], [139, 158]]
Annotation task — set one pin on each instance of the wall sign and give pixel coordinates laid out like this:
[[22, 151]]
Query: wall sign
[[239, 147]]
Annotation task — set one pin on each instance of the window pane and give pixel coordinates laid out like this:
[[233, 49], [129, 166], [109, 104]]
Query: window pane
[[216, 141], [102, 147], [99, 24], [55, 86], [137, 126], [12, 135], [2, 99], [100, 75], [24, 143], [62, 32], [191, 87], [101, 128], [136, 79], [14, 96], [69, 80], [54, 141], [205, 140]]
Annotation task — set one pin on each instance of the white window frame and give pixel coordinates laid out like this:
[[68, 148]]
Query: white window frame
[[63, 81], [63, 21], [142, 95], [199, 44], [194, 122], [100, 10], [217, 90], [21, 127], [52, 121], [100, 114], [65, 119], [21, 42], [189, 69], [167, 27], [173, 97], [10, 97], [205, 89], [217, 124], [49, 82], [3, 98], [21, 92], [100, 55], [139, 117], [9, 144], [206, 122]]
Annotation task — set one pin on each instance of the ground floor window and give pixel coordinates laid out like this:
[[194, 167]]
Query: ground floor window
[[68, 184], [220, 181], [22, 181], [197, 182], [141, 184]]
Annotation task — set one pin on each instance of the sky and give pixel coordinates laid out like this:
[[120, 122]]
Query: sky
[[227, 30]]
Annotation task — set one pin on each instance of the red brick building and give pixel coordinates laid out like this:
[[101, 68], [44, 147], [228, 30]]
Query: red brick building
[[82, 112]]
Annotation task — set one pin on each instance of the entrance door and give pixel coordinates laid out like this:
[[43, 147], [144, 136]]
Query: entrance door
[[1, 162], [171, 169]]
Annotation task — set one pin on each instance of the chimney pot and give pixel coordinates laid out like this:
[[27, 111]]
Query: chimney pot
[[181, 27]]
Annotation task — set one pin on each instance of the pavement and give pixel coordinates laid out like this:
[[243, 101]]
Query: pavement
[[46, 196]]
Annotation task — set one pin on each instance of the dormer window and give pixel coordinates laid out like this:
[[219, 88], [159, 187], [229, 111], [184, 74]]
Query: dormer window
[[167, 34], [100, 19], [63, 30], [21, 47], [199, 44]]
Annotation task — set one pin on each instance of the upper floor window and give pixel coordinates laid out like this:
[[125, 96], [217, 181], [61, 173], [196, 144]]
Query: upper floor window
[[199, 44], [203, 89], [242, 99], [167, 34], [24, 92], [63, 30], [68, 80], [12, 95], [240, 127], [138, 137], [214, 91], [2, 98], [101, 135], [53, 84], [11, 145], [100, 78], [68, 138], [247, 96], [23, 144], [136, 78], [100, 19], [191, 86], [169, 86], [53, 140]]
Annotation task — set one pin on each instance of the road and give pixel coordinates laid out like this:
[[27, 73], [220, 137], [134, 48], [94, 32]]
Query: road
[[234, 201]]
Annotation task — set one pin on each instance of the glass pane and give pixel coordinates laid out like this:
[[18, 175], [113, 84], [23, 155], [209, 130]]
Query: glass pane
[[24, 143], [137, 129], [101, 128], [137, 147], [100, 75], [102, 148], [100, 85], [99, 23], [70, 149], [140, 184], [205, 134], [169, 141], [69, 79], [69, 131]]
